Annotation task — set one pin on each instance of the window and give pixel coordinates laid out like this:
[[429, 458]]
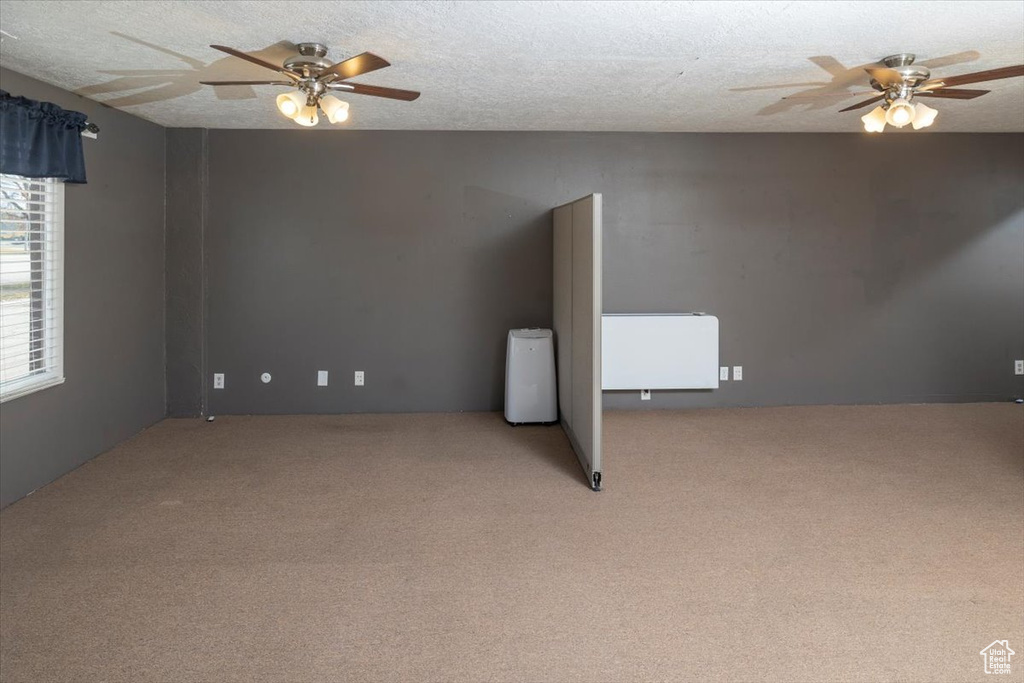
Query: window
[[31, 284]]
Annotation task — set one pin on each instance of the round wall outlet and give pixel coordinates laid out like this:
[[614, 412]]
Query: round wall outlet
[[265, 378]]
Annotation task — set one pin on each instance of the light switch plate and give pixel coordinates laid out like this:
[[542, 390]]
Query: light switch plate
[[723, 373], [737, 373], [321, 378], [218, 380], [360, 378]]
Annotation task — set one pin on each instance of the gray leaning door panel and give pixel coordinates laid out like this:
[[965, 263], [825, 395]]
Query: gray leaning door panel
[[577, 323], [562, 308]]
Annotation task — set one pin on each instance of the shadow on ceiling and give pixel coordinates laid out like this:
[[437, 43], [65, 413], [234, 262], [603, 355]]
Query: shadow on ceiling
[[144, 86], [826, 94]]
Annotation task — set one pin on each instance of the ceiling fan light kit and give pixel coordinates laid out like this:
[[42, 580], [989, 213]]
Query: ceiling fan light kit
[[335, 109], [313, 77], [900, 81], [900, 112], [874, 121], [290, 103], [924, 116], [307, 116]]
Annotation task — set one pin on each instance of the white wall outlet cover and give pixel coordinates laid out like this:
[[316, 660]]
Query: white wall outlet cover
[[645, 394], [218, 380], [321, 378], [737, 373], [1018, 367], [723, 373], [265, 378], [360, 378]]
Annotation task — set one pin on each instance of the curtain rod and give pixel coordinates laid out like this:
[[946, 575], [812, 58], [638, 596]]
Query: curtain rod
[[91, 130]]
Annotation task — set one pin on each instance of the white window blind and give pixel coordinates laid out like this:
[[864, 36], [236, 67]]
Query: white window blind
[[31, 284]]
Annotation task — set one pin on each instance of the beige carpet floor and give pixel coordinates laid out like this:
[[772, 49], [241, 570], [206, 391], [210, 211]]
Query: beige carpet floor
[[879, 543]]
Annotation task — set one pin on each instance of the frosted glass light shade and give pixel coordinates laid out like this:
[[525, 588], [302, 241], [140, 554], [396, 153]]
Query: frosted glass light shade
[[874, 121], [924, 116], [901, 112], [290, 103], [335, 109], [307, 116]]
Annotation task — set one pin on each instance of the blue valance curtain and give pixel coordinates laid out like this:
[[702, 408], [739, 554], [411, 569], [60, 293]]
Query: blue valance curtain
[[40, 140]]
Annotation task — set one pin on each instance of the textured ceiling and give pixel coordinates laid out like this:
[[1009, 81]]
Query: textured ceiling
[[601, 66]]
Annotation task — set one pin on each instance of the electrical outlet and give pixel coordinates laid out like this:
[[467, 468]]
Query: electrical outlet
[[218, 380], [1018, 367], [723, 373], [737, 373], [321, 378], [360, 378], [645, 394]]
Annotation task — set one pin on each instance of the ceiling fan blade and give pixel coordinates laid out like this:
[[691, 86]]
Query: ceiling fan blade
[[949, 60], [256, 60], [247, 82], [976, 77], [885, 76], [953, 93], [838, 94], [375, 91], [355, 66], [829, 64], [781, 85], [861, 105]]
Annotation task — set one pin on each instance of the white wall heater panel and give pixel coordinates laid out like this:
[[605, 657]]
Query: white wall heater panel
[[674, 351]]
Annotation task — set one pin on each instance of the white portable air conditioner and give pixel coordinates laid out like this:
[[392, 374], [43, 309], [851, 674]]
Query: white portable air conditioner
[[530, 394]]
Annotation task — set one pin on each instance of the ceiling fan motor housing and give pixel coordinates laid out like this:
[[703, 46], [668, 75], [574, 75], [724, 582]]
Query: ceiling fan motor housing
[[914, 75], [898, 60], [312, 49], [310, 60], [911, 76]]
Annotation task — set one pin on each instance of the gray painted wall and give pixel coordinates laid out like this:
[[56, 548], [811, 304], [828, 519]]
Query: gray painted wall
[[844, 268], [405, 255], [113, 305], [185, 215]]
